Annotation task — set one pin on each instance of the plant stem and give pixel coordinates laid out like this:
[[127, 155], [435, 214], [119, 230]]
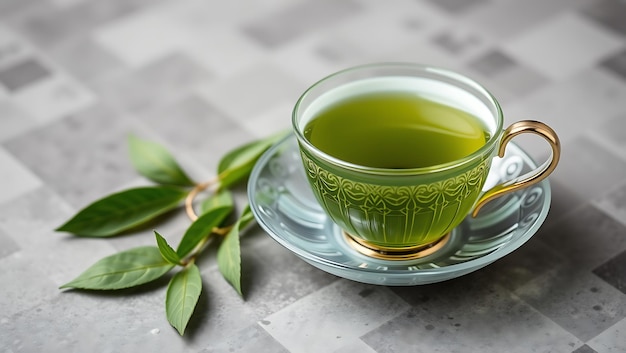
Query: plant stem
[[192, 195], [221, 231], [189, 259]]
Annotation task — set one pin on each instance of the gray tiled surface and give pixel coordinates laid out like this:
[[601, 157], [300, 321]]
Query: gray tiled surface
[[201, 77]]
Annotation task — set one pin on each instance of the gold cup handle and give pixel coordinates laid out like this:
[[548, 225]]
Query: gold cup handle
[[532, 177]]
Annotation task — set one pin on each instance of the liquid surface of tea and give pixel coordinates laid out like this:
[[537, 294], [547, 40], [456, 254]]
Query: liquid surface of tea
[[395, 130]]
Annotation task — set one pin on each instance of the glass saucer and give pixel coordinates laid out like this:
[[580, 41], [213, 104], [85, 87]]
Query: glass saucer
[[286, 209]]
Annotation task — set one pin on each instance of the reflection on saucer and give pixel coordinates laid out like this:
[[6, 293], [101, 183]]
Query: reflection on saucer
[[286, 209]]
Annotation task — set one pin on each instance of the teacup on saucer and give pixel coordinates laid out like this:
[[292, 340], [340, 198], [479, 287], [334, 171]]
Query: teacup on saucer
[[287, 210]]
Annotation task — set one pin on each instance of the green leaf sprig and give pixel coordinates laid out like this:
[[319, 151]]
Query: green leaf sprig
[[131, 209]]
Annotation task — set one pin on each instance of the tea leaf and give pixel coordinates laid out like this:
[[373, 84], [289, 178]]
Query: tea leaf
[[182, 296], [123, 270], [221, 198], [246, 217], [229, 259], [237, 164], [201, 228], [229, 252], [154, 162], [166, 250], [123, 210]]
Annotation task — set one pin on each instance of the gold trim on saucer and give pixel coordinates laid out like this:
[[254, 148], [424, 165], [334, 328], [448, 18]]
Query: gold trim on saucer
[[386, 253]]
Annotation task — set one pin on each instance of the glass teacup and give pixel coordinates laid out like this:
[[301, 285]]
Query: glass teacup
[[404, 212]]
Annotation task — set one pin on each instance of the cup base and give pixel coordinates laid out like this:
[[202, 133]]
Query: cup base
[[398, 254]]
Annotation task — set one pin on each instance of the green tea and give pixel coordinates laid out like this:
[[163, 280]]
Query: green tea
[[395, 130]]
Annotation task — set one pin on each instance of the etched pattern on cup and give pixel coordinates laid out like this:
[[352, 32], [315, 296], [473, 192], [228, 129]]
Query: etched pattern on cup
[[396, 216]]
